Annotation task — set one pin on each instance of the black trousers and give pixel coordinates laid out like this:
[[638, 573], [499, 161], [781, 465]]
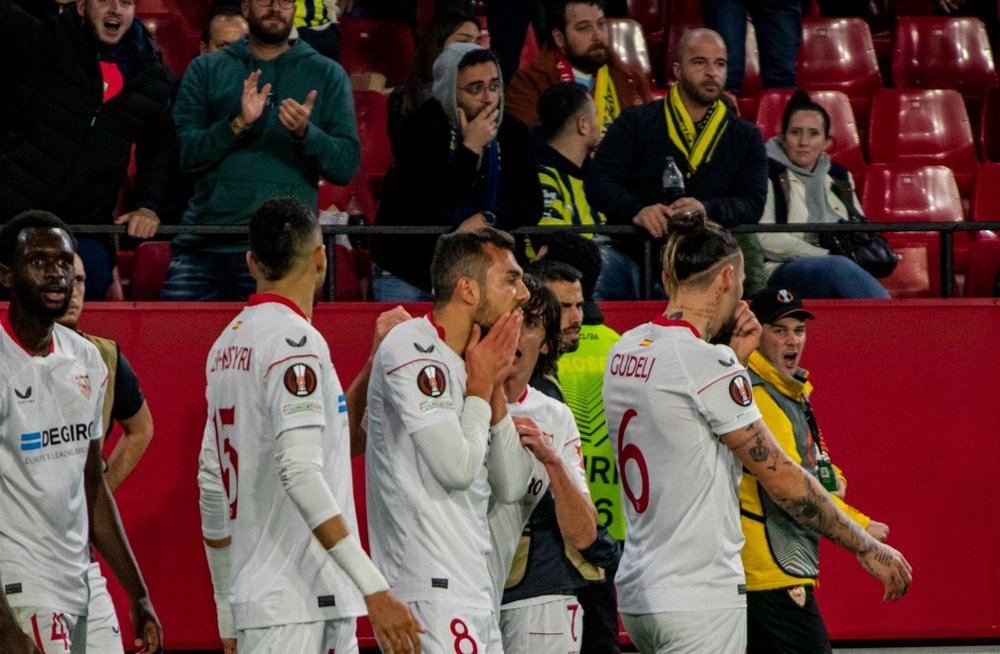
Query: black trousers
[[776, 624]]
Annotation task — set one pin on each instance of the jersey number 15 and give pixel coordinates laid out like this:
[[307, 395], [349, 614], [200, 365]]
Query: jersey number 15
[[229, 461]]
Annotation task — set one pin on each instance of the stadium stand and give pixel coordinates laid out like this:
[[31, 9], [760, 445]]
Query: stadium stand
[[629, 43], [989, 125], [944, 53], [984, 266], [838, 54], [371, 111], [377, 46], [909, 192], [923, 126]]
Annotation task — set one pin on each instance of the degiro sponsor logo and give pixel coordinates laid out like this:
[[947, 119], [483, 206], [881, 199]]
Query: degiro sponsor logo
[[38, 440]]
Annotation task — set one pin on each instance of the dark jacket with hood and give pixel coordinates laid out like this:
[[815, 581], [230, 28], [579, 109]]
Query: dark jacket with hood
[[62, 148], [430, 180], [237, 174]]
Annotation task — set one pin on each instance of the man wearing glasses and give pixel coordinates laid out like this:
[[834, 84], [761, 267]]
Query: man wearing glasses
[[460, 163], [265, 117]]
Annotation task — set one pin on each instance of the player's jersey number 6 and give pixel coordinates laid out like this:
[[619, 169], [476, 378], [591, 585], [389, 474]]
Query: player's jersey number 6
[[631, 452]]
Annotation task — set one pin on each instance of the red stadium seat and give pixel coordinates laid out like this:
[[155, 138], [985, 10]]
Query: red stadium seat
[[371, 111], [752, 85], [984, 265], [652, 15], [934, 52], [846, 147], [151, 261], [914, 193], [985, 204], [838, 54], [686, 11], [989, 125], [348, 285], [629, 43], [925, 127], [377, 46], [176, 42]]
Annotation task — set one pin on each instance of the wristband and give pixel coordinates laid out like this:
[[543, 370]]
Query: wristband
[[347, 553], [218, 566]]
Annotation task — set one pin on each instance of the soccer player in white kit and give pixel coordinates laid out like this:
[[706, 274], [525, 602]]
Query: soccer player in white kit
[[53, 497], [545, 623], [440, 442], [275, 474], [683, 420]]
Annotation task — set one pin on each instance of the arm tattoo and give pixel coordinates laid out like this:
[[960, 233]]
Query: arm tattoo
[[759, 452], [676, 315]]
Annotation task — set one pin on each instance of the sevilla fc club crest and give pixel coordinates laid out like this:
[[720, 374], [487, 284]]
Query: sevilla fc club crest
[[430, 381], [83, 383], [739, 390], [300, 380]]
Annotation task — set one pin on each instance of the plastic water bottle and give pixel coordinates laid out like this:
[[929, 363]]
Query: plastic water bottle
[[673, 182]]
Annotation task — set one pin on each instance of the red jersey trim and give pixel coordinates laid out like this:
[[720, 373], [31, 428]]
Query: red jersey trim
[[5, 321], [663, 321], [264, 298], [439, 328], [412, 361], [294, 356]]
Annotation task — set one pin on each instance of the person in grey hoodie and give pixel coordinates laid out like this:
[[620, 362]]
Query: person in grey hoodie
[[461, 163], [804, 186], [262, 118]]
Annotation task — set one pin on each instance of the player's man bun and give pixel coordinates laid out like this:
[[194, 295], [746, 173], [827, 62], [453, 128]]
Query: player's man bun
[[695, 245]]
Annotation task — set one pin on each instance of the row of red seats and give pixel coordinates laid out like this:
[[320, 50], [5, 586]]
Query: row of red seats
[[839, 54]]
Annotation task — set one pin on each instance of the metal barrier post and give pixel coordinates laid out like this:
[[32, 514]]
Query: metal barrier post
[[947, 263]]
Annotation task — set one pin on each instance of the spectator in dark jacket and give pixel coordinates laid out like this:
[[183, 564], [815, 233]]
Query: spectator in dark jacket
[[84, 86], [720, 155], [460, 163]]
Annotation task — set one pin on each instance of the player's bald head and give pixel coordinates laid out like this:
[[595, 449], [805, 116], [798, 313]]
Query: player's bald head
[[697, 35], [283, 231]]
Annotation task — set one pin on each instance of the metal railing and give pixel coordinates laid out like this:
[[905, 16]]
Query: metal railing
[[330, 232]]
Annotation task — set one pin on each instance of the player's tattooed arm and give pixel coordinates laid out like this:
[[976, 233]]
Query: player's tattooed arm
[[801, 496]]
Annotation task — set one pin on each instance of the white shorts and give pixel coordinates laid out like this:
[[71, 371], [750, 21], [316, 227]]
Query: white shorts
[[104, 636], [53, 632], [721, 631], [324, 637], [453, 629], [552, 627]]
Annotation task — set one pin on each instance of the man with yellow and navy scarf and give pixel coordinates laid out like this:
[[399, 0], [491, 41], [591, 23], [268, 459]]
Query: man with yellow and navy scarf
[[578, 50], [721, 156]]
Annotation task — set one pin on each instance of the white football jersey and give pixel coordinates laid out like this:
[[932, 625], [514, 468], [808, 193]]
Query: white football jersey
[[269, 372], [430, 543], [507, 521], [50, 409], [669, 395]]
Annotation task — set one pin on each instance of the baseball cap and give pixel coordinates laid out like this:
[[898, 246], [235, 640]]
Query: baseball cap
[[776, 302]]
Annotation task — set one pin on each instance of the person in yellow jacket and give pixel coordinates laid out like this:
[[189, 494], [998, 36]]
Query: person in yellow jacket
[[781, 557]]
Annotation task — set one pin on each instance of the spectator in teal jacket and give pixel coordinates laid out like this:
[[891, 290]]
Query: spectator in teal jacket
[[265, 117]]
